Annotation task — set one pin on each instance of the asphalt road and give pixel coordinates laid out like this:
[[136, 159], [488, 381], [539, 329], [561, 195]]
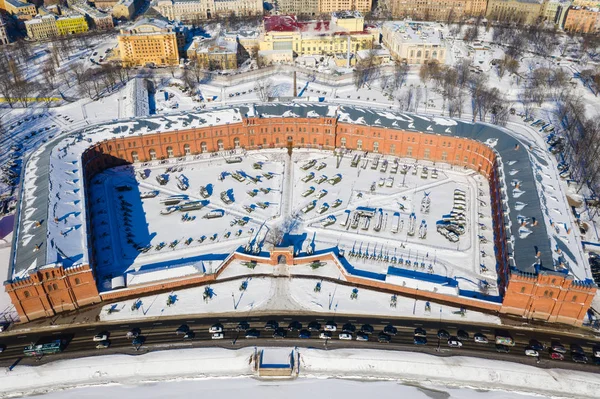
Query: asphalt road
[[160, 335]]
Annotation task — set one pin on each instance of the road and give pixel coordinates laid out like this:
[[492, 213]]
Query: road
[[160, 335]]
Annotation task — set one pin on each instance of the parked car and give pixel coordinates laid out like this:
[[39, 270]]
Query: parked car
[[480, 338], [384, 338], [182, 330], [390, 330], [2, 348], [4, 326], [325, 335], [279, 333], [420, 332], [362, 337], [271, 325], [579, 358], [314, 326], [536, 345], [216, 328], [596, 351], [345, 336], [189, 335], [443, 334], [349, 328], [531, 352], [558, 347], [367, 329], [138, 341], [330, 326], [218, 335], [462, 335], [304, 334], [103, 336], [252, 334], [577, 349], [454, 342], [557, 356], [420, 341], [242, 326], [295, 326], [103, 344], [502, 348], [134, 333]]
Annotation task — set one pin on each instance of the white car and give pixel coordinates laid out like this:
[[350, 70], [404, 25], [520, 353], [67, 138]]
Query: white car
[[330, 327], [362, 337], [100, 337], [345, 336], [217, 328], [455, 343], [103, 345], [531, 352], [217, 336], [325, 335]]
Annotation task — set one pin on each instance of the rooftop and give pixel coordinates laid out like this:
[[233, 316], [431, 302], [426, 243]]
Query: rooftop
[[51, 222], [346, 14], [414, 32]]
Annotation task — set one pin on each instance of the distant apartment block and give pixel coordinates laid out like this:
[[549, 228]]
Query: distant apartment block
[[215, 54], [41, 27], [526, 12], [126, 9], [194, 10], [329, 6], [436, 10], [71, 25], [97, 19], [104, 4], [151, 41], [582, 20], [298, 7], [4, 36], [16, 7], [414, 42]]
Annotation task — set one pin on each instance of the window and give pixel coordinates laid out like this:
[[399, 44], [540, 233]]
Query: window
[[55, 286], [553, 281], [343, 142], [26, 294], [444, 155], [49, 287], [236, 142], [203, 147], [522, 290], [264, 140], [169, 151], [550, 294], [134, 156], [186, 149], [574, 298], [301, 140], [426, 153], [409, 151], [77, 281], [359, 145], [376, 146], [393, 149], [546, 293]]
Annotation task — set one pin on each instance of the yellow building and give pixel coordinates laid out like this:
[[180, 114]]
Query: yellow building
[[150, 41], [283, 35], [298, 7], [436, 10], [190, 11], [17, 7], [126, 9], [214, 54], [555, 11], [414, 42], [525, 12], [72, 24], [41, 27], [329, 6]]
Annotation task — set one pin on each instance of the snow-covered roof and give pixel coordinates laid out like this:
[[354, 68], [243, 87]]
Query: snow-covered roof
[[52, 221]]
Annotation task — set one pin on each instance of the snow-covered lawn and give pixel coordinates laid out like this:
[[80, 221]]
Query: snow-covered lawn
[[224, 374]]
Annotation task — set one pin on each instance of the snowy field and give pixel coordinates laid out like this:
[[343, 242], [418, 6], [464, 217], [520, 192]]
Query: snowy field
[[374, 212], [301, 388], [266, 294], [390, 373]]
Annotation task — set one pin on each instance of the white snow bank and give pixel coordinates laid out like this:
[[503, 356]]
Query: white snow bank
[[449, 371], [126, 369]]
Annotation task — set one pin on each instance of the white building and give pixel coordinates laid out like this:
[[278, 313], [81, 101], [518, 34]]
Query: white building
[[414, 42]]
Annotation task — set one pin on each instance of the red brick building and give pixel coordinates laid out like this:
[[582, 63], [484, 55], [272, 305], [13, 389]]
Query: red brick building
[[546, 296]]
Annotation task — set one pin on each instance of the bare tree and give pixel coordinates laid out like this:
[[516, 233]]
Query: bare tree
[[263, 89]]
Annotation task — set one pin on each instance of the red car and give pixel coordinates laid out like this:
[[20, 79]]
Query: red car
[[557, 356]]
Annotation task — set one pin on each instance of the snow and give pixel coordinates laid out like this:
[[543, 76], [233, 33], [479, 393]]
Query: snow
[[329, 372], [282, 294]]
